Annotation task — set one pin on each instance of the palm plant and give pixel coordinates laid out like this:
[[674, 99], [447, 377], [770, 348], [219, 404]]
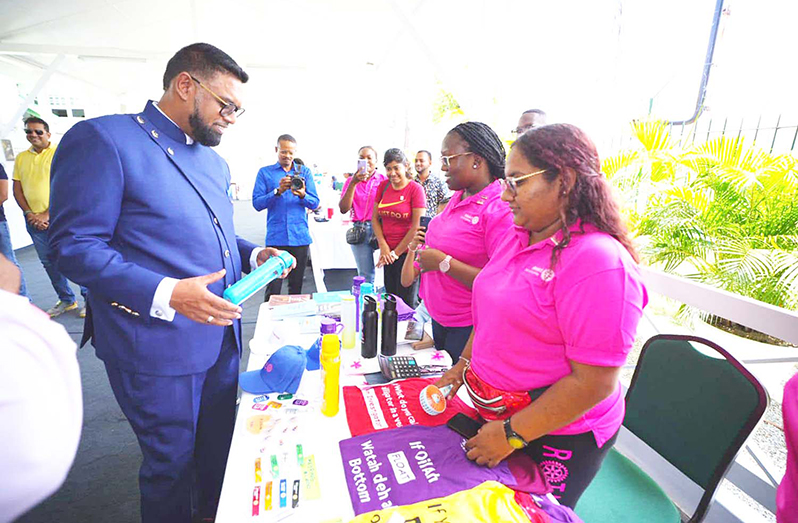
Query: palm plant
[[720, 212]]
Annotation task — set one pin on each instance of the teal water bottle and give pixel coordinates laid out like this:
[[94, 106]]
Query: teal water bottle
[[272, 268]]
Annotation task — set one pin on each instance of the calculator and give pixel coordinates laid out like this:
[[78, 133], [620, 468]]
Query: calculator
[[399, 367]]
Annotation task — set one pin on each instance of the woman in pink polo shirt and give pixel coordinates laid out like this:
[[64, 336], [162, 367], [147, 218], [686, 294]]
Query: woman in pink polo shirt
[[357, 197], [462, 238], [555, 314], [398, 207]]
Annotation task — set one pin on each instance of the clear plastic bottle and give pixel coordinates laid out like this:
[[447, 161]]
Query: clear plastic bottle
[[348, 318], [330, 372]]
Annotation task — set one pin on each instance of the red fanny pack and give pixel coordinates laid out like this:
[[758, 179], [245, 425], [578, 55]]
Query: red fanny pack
[[492, 403]]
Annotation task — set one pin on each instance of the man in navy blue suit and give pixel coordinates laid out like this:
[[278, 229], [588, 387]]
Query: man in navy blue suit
[[141, 216]]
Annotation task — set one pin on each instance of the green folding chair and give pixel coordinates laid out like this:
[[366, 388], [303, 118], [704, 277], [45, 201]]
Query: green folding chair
[[695, 410]]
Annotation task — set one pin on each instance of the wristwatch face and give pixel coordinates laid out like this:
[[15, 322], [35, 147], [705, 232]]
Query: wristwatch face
[[516, 442], [444, 266], [513, 438]]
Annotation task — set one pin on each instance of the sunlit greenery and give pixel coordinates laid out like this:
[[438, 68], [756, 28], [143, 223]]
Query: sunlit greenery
[[722, 212]]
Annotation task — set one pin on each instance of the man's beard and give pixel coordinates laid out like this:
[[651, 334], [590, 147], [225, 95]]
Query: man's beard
[[203, 134]]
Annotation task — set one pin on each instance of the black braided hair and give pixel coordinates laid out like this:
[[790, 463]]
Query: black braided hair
[[483, 141]]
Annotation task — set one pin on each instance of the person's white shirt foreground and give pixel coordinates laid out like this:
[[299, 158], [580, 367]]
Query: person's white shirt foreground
[[41, 406]]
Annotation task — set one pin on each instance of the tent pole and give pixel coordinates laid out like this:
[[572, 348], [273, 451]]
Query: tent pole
[[43, 79]]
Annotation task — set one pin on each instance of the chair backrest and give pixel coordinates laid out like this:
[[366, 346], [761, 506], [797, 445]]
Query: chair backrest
[[696, 411]]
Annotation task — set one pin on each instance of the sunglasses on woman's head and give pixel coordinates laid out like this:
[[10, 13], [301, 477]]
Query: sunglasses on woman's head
[[38, 132]]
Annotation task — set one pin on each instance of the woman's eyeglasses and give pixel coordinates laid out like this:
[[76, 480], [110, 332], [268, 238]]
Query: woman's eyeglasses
[[38, 132], [228, 108], [511, 184], [446, 160]]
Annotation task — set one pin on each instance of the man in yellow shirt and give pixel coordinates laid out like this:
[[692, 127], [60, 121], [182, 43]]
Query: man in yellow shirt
[[32, 192]]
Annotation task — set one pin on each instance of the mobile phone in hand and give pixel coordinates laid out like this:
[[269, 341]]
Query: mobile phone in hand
[[463, 425], [425, 221], [362, 166]]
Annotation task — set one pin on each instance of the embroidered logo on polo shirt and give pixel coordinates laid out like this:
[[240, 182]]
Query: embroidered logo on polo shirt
[[544, 274], [471, 218]]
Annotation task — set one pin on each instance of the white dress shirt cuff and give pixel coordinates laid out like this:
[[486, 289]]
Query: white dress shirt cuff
[[253, 258], [160, 302]]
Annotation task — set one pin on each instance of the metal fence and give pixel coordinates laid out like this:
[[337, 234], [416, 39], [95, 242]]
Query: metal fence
[[775, 134]]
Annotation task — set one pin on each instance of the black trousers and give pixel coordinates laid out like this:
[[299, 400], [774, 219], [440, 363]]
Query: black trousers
[[393, 282], [451, 339], [295, 277], [569, 462]]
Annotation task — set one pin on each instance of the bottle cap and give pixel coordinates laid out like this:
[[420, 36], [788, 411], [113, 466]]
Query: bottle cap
[[348, 298], [369, 303], [329, 326], [286, 258], [367, 288], [389, 302], [357, 281]]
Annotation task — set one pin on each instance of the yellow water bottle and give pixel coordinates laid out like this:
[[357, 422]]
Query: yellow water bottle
[[330, 359]]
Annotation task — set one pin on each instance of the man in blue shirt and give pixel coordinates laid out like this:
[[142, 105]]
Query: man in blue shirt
[[287, 190]]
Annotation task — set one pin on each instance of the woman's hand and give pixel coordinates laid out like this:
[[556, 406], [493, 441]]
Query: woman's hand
[[418, 240], [453, 377], [430, 259], [386, 256], [360, 176], [489, 447]]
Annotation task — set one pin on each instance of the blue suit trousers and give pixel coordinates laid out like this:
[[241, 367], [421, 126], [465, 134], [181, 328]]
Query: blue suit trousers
[[184, 425]]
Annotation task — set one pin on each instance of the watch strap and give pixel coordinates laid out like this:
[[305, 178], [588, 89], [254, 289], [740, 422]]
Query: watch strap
[[510, 434]]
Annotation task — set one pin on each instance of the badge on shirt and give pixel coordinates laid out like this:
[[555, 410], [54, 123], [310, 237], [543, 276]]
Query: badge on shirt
[[474, 219], [545, 274]]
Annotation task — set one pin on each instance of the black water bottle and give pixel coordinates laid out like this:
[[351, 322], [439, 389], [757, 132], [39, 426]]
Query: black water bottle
[[368, 338], [389, 320]]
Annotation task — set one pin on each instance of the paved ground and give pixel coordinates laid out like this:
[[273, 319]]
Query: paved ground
[[103, 482]]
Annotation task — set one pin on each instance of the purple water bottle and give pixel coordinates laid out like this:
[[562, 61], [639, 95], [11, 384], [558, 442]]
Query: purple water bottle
[[357, 281], [326, 326]]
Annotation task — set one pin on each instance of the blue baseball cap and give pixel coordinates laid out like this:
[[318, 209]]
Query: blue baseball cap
[[282, 373]]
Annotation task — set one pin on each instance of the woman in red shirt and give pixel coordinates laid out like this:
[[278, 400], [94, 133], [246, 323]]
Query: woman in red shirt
[[398, 208]]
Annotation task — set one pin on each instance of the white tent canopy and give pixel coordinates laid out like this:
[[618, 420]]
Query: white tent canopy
[[343, 73]]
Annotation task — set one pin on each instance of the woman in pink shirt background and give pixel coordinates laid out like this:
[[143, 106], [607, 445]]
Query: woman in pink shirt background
[[357, 197], [555, 314], [460, 240], [398, 208]]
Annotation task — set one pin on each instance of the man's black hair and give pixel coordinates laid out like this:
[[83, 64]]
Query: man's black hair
[[539, 112], [202, 61], [36, 119], [429, 154], [286, 138]]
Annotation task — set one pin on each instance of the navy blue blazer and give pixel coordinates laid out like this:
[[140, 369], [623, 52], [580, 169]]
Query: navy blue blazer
[[130, 204]]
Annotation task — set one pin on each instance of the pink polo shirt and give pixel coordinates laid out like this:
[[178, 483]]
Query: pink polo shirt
[[468, 231], [363, 199], [530, 321]]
